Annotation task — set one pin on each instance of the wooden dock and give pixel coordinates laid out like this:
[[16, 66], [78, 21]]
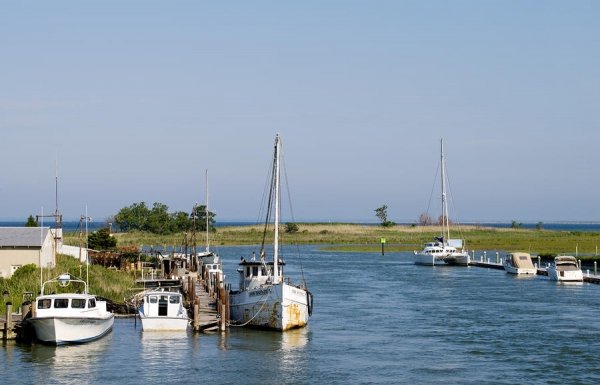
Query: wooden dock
[[587, 277], [208, 302]]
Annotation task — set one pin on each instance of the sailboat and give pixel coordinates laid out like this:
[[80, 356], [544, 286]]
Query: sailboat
[[264, 299], [443, 250]]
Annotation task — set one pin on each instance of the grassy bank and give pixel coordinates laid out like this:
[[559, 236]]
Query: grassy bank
[[353, 237], [111, 284]]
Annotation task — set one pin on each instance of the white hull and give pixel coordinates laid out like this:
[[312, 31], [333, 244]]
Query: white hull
[[429, 259], [461, 259], [518, 271], [565, 276], [65, 330], [164, 323], [277, 307]]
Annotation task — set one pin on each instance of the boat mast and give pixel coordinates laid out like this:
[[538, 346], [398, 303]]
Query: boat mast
[[276, 225], [206, 209], [445, 221]]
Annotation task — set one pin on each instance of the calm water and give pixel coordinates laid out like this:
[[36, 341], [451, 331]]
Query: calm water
[[376, 320]]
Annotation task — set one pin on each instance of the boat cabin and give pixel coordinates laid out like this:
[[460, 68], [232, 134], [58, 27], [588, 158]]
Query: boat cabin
[[162, 304], [64, 303], [256, 273]]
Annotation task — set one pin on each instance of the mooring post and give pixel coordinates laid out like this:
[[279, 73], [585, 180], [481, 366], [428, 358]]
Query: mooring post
[[497, 257], [222, 318], [595, 268], [8, 324], [196, 316]]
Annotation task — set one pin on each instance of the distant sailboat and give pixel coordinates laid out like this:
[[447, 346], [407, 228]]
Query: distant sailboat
[[264, 299], [211, 262], [443, 250]]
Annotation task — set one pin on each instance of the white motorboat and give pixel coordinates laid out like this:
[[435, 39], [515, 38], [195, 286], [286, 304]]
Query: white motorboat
[[443, 250], [519, 263], [163, 311], [264, 299], [565, 269], [73, 317]]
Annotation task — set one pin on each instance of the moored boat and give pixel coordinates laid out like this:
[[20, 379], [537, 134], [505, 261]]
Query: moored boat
[[443, 250], [73, 317], [163, 311], [264, 299], [519, 263], [565, 269]]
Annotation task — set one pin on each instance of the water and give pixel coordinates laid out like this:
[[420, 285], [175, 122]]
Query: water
[[376, 320]]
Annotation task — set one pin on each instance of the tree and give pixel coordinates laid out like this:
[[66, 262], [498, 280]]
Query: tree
[[101, 240], [133, 217], [425, 220], [291, 227], [516, 225], [31, 222], [539, 226], [200, 213], [381, 213]]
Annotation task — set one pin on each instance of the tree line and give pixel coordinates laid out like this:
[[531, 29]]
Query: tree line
[[158, 219]]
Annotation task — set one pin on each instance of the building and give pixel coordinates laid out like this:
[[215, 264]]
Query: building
[[21, 246]]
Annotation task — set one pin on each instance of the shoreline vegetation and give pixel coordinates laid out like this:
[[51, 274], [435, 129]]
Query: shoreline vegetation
[[365, 238]]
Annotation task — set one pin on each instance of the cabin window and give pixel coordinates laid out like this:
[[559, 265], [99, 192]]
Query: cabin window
[[263, 270], [174, 299], [78, 303], [61, 303], [44, 303], [247, 271], [153, 299], [91, 303], [163, 306], [255, 271]]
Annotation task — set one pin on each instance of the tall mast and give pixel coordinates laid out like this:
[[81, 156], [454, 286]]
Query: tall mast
[[276, 225], [206, 209], [445, 223]]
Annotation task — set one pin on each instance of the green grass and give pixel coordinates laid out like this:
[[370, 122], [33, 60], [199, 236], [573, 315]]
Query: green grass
[[107, 283]]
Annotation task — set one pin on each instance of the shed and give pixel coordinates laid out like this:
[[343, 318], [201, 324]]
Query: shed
[[21, 246]]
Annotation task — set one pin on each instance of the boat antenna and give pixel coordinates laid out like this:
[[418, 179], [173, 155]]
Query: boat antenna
[[41, 247]]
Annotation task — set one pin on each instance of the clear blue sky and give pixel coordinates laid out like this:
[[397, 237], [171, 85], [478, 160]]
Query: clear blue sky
[[135, 99]]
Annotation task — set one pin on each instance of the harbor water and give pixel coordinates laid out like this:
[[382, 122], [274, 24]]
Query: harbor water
[[376, 319]]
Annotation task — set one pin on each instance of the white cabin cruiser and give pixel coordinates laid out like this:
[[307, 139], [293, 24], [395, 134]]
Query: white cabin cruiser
[[264, 299], [73, 317], [163, 310], [519, 263], [565, 269]]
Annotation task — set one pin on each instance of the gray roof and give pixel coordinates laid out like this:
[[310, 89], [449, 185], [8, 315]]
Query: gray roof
[[22, 236]]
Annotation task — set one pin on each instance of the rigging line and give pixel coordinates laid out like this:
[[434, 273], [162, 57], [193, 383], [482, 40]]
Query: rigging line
[[266, 296], [457, 222], [289, 195], [269, 205]]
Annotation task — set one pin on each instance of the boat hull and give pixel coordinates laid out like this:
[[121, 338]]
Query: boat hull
[[460, 259], [164, 323], [429, 259], [71, 330], [276, 307], [519, 271], [565, 276]]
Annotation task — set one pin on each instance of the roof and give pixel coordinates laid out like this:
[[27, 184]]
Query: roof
[[22, 236], [522, 260]]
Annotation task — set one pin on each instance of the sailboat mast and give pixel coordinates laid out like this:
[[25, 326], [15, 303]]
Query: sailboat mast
[[276, 225], [445, 223], [206, 209]]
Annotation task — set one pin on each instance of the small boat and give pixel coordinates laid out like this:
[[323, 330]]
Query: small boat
[[565, 269], [519, 263], [163, 311], [443, 250], [73, 317], [264, 299]]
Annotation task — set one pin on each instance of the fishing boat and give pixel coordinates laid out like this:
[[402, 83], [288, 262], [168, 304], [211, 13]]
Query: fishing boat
[[519, 263], [443, 250], [264, 299], [163, 311], [71, 317], [565, 269]]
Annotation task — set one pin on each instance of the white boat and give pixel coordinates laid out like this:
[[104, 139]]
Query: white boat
[[264, 299], [443, 250], [70, 317], [565, 269], [163, 311], [519, 263]]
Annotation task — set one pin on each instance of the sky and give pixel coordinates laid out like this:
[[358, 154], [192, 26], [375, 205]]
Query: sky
[[131, 101]]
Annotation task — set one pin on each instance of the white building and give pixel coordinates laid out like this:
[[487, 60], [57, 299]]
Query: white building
[[21, 246]]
